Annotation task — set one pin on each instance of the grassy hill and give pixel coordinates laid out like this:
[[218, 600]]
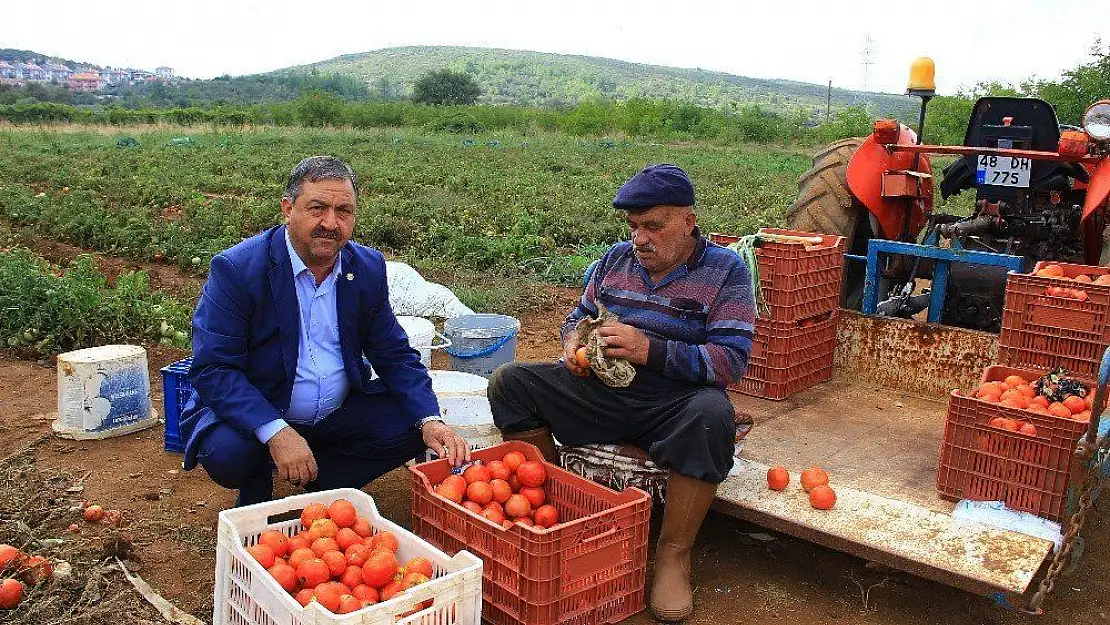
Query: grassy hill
[[11, 55], [515, 77], [543, 79]]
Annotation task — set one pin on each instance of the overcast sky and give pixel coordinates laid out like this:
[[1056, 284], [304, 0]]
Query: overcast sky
[[970, 40]]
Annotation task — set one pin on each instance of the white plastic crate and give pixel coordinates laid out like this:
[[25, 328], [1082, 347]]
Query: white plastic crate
[[246, 594]]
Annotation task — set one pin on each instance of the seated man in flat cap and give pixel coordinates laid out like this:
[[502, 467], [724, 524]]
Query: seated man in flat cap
[[686, 320]]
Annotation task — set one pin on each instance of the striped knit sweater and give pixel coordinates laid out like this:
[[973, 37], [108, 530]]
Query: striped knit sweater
[[699, 319]]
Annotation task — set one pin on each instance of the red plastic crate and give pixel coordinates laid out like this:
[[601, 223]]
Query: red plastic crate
[[789, 357], [778, 383], [822, 295], [985, 463], [797, 280], [1039, 330], [590, 568], [779, 345], [792, 263]]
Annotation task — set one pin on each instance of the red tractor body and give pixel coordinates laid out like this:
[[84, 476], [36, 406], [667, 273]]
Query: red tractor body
[[1041, 193]]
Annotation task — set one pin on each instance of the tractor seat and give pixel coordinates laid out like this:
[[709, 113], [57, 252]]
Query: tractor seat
[[1035, 127]]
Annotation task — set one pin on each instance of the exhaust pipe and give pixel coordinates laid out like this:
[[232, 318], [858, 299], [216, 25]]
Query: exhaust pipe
[[977, 225]]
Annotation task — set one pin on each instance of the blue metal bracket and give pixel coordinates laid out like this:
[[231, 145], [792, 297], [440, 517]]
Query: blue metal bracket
[[944, 257]]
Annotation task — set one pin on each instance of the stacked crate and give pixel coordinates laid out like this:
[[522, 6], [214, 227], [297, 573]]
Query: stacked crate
[[795, 341], [1042, 329]]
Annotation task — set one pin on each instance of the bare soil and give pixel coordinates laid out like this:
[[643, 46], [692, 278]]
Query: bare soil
[[743, 573]]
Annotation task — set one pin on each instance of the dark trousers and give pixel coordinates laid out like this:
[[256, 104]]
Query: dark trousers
[[348, 451], [685, 427]]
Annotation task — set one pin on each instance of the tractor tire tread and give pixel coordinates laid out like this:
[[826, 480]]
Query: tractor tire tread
[[825, 203]]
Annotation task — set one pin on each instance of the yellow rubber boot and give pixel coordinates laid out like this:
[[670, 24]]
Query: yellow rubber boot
[[688, 500]]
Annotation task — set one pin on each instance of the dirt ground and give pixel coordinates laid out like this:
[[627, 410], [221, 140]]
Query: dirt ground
[[743, 573]]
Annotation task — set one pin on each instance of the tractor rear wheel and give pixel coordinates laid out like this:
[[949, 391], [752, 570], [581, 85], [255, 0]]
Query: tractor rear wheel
[[826, 205]]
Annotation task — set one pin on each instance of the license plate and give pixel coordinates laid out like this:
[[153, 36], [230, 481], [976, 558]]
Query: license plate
[[1003, 171]]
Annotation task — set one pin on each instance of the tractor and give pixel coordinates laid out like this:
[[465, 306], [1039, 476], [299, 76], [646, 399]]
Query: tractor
[[1041, 193]]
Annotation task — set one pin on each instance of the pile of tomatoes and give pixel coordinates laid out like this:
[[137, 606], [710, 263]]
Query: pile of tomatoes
[[506, 492], [338, 561], [1017, 392], [1056, 271], [815, 481], [34, 570]]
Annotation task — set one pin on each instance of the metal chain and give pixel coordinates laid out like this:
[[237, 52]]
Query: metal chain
[[1075, 526]]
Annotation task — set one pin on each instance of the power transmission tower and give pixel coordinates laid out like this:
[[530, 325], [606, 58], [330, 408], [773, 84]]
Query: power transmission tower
[[866, 57], [828, 102]]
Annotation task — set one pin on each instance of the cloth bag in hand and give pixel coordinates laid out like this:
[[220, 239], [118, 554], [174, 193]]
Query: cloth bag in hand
[[613, 372]]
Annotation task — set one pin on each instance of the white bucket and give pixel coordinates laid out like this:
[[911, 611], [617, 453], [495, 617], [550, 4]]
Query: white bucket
[[103, 392], [465, 407], [422, 335]]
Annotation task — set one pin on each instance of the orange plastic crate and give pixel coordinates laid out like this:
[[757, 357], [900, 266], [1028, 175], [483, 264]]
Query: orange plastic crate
[[985, 463], [797, 280], [590, 568], [789, 357], [822, 295], [778, 383], [1039, 330], [781, 345]]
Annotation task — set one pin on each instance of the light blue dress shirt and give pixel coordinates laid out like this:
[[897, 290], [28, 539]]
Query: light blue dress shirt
[[321, 382]]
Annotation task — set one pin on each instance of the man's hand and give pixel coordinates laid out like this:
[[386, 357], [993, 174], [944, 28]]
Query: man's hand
[[443, 440], [625, 341], [293, 457], [570, 357]]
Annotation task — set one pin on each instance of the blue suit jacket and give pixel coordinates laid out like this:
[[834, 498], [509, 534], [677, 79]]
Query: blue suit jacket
[[246, 338]]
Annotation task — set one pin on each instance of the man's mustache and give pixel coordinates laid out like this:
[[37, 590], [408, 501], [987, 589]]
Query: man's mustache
[[645, 248], [324, 233]]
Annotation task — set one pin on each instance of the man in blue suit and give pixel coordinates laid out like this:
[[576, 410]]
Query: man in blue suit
[[285, 334]]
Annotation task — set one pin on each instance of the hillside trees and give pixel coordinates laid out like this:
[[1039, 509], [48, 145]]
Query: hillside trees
[[946, 119], [319, 108], [1079, 87], [446, 87], [1070, 95]]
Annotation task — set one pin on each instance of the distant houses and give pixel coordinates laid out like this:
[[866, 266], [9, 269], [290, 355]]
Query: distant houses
[[84, 82], [79, 79]]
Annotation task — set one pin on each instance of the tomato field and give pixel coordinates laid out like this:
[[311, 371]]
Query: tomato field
[[480, 201], [506, 210]]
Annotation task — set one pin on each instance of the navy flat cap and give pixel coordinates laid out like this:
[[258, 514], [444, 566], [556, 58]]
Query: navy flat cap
[[656, 185]]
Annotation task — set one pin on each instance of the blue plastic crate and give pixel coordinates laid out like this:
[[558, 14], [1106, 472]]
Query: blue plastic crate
[[176, 390]]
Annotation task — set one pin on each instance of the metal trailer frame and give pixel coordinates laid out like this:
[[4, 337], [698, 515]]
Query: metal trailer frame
[[943, 258]]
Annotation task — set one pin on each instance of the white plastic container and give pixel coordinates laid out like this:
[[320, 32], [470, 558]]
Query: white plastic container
[[465, 407], [462, 397], [103, 392], [248, 595], [422, 335]]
